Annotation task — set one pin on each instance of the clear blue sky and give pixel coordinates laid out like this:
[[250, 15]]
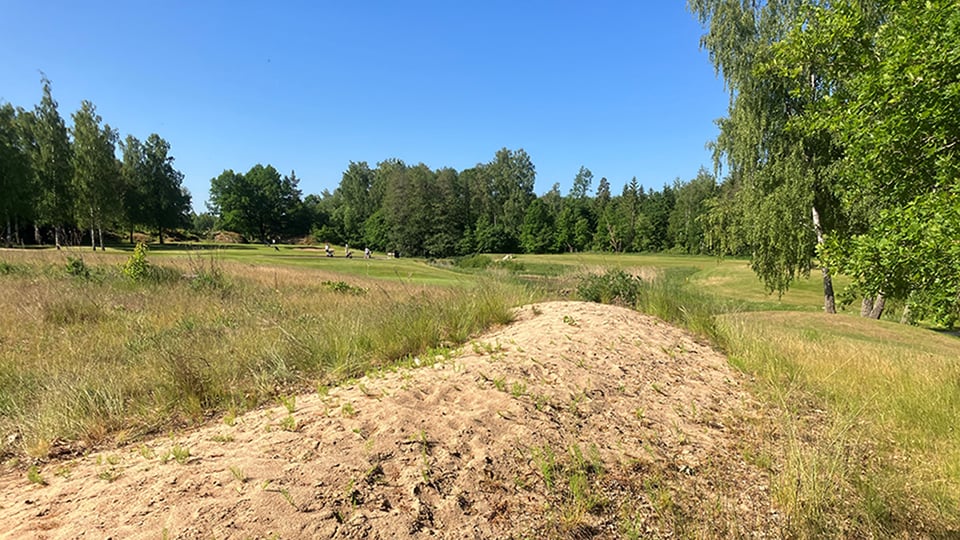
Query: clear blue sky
[[619, 87]]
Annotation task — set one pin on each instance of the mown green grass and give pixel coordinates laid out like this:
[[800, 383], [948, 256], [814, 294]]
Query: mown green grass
[[379, 267]]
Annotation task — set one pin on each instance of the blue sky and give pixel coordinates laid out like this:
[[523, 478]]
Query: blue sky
[[619, 87]]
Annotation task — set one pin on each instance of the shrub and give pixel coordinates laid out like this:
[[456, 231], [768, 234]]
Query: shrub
[[510, 265], [613, 287], [473, 261], [77, 268], [343, 287], [137, 267]]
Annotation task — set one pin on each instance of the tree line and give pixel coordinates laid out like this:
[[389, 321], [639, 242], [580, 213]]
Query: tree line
[[489, 208], [841, 145], [58, 182]]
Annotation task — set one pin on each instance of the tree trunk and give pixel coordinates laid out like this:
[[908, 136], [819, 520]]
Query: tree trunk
[[829, 301], [56, 236], [878, 304], [36, 233], [905, 316], [93, 237], [160, 235], [100, 233], [872, 308], [8, 239]]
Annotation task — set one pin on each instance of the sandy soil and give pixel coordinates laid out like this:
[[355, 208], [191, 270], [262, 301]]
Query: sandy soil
[[576, 421]]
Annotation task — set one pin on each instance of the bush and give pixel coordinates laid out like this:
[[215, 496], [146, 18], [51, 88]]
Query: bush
[[77, 268], [137, 267], [510, 265], [613, 287], [343, 287], [473, 261]]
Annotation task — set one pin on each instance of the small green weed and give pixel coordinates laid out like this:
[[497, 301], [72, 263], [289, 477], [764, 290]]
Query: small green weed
[[34, 476], [289, 423], [109, 475], [289, 403], [177, 453], [546, 461], [238, 474], [347, 409]]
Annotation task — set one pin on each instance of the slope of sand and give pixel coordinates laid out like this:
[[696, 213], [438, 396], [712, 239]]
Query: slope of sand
[[577, 420]]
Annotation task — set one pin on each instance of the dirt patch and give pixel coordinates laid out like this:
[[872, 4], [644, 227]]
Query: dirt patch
[[577, 420]]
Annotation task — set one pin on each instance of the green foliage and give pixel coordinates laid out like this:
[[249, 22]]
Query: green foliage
[[34, 476], [77, 268], [96, 178], [476, 261], [342, 287], [154, 192], [137, 268], [538, 234], [685, 229], [260, 204], [51, 161], [779, 164], [917, 258], [9, 268], [899, 121], [16, 180], [612, 287]]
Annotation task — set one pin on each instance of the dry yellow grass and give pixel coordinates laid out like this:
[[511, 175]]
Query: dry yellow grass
[[86, 360]]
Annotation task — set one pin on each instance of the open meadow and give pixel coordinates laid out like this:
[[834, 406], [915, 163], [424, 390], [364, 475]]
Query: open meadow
[[853, 423]]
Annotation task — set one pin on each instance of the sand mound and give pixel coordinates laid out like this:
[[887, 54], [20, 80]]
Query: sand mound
[[577, 420]]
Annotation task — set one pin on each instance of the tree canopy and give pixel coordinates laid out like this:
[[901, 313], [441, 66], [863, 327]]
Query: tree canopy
[[840, 144]]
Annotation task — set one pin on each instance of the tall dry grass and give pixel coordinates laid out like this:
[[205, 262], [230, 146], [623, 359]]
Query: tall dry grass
[[87, 360], [861, 431], [863, 425]]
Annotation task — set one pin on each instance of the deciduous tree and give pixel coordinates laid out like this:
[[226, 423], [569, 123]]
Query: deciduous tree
[[96, 173]]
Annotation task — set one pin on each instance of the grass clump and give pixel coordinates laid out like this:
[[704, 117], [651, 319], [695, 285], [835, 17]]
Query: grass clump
[[342, 287], [8, 268], [77, 268]]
